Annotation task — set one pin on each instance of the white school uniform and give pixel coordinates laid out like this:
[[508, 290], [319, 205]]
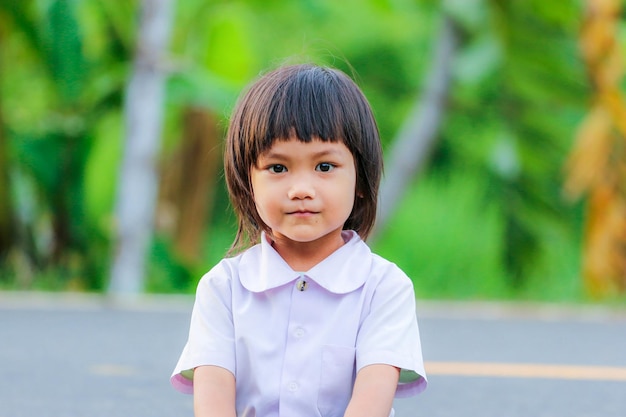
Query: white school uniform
[[295, 341]]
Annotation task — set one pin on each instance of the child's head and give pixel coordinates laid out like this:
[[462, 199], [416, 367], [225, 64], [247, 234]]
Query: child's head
[[307, 102]]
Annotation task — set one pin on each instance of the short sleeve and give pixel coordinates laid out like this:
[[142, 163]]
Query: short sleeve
[[211, 332], [389, 334]]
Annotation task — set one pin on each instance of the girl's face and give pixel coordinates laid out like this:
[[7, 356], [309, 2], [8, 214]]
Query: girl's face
[[304, 192]]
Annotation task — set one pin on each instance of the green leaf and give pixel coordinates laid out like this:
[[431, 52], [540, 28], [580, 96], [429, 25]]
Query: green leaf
[[65, 49], [21, 14], [479, 60], [229, 53], [202, 88], [471, 14]]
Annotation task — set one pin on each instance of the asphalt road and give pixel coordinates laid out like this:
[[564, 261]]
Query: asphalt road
[[79, 356]]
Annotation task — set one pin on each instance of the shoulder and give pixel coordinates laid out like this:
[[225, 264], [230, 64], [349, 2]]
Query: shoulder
[[359, 251], [388, 283], [374, 270], [221, 275], [388, 272], [230, 270]]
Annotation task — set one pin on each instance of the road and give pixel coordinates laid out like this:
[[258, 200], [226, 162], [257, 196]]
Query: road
[[82, 356]]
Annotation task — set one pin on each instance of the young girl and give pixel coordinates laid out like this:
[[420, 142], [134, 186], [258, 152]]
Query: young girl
[[308, 321]]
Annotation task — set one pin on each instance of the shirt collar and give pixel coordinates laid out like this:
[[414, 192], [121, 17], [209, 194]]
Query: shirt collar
[[262, 268]]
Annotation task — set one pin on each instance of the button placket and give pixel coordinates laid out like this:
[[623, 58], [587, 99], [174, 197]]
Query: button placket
[[297, 375]]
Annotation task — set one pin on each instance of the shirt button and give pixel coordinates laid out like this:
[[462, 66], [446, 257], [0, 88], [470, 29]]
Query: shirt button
[[293, 386], [301, 285], [299, 332]]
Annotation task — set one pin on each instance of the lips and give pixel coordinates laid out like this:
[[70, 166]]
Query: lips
[[302, 212]]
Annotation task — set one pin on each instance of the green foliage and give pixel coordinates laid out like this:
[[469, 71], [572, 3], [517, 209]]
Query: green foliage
[[64, 50], [228, 52], [166, 273], [519, 94], [50, 106], [100, 176], [485, 220], [442, 236]]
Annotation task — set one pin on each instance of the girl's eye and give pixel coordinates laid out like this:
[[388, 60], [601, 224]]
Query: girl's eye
[[324, 167], [277, 168]]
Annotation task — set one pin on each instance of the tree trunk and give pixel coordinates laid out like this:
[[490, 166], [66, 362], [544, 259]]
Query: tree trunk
[[419, 132], [188, 184], [137, 187]]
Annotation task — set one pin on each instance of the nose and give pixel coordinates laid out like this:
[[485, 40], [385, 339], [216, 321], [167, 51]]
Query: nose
[[301, 188]]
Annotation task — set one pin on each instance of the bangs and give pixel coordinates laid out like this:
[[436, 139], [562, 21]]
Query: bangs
[[311, 104], [307, 107]]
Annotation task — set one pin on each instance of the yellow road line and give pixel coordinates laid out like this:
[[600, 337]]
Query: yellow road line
[[531, 370]]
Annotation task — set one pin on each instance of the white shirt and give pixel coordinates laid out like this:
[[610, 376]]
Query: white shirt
[[295, 341]]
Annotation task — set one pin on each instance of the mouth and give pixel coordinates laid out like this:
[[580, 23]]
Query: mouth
[[302, 213]]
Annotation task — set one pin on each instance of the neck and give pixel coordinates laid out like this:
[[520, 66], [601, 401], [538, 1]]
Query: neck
[[302, 256]]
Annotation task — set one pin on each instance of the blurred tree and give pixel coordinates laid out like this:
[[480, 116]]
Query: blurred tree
[[55, 99], [54, 157], [517, 92], [597, 164], [7, 220], [138, 181], [189, 181], [215, 39], [411, 148], [516, 89]]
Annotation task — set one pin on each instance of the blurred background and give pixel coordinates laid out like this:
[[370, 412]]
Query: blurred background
[[503, 123]]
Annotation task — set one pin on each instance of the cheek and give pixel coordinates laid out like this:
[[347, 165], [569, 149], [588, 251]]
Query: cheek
[[346, 195], [265, 206]]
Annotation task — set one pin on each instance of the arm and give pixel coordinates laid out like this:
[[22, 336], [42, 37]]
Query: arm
[[213, 392], [374, 391]]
